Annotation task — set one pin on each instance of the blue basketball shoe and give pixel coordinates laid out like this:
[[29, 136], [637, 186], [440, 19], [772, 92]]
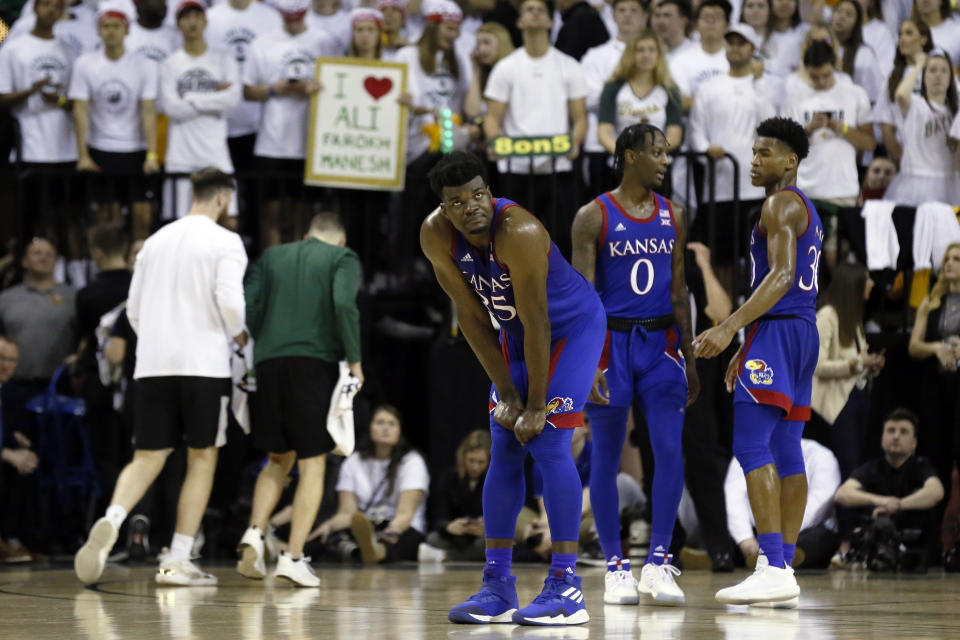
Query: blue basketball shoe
[[560, 603], [495, 602]]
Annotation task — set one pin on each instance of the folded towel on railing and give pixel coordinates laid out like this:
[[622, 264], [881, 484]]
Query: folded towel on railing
[[934, 228], [883, 247]]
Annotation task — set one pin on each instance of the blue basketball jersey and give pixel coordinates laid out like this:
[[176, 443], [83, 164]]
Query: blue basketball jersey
[[801, 299], [634, 260], [571, 301]]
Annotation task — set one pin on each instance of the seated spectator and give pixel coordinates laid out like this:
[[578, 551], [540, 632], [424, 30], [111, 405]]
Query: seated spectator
[[381, 493], [818, 532], [898, 491], [927, 169], [458, 505], [840, 398], [15, 451], [878, 177], [913, 39], [640, 90], [857, 58]]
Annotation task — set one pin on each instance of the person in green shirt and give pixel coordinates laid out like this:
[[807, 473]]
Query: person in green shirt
[[302, 313]]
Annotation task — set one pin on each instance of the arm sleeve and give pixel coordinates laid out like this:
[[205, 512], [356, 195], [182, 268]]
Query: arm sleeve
[[864, 112], [6, 69], [926, 470], [576, 80], [252, 75], [346, 284], [412, 474], [224, 101], [823, 474], [607, 111], [150, 81], [737, 503], [591, 64], [955, 128], [674, 108], [229, 286], [864, 474], [346, 478], [827, 327], [252, 291], [176, 108], [498, 83], [79, 88]]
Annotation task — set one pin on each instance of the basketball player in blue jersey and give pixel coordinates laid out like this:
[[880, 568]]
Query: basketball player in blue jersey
[[630, 243], [771, 375], [494, 258]]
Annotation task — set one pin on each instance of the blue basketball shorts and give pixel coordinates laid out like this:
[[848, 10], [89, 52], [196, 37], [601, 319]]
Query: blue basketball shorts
[[638, 361]]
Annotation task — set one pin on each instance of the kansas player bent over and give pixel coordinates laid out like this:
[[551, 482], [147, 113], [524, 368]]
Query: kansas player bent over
[[492, 257], [630, 243], [772, 373]]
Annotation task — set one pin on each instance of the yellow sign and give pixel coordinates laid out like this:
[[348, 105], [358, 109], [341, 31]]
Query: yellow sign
[[558, 145]]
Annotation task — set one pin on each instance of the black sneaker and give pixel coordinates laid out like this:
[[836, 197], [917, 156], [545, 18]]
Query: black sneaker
[[138, 538]]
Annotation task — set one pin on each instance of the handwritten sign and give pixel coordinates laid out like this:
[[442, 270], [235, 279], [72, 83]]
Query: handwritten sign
[[358, 129], [558, 145]]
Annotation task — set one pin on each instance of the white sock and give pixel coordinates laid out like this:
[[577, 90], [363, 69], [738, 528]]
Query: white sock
[[116, 514], [181, 546]]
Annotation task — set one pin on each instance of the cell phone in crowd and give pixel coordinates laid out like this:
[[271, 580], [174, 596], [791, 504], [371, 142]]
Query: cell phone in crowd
[[830, 115]]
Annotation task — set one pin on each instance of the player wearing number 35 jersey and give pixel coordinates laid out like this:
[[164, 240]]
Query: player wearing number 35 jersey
[[630, 242], [771, 376], [493, 258]]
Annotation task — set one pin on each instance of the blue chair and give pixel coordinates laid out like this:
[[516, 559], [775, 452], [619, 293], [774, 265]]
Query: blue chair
[[66, 472]]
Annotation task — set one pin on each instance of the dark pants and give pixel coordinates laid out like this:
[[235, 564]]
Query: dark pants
[[405, 548], [819, 544]]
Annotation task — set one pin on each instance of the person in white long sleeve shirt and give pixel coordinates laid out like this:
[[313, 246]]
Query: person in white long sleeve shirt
[[818, 532], [598, 64], [199, 86], [186, 304], [726, 112]]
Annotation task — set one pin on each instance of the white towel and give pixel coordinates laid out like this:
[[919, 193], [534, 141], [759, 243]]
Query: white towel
[[244, 383], [934, 229], [340, 416], [883, 247]]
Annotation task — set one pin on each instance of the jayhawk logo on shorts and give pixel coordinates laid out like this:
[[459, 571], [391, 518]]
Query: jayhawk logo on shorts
[[559, 405], [760, 373]]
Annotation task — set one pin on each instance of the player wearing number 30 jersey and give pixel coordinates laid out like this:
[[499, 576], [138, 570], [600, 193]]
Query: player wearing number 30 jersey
[[630, 243], [491, 256], [771, 375]]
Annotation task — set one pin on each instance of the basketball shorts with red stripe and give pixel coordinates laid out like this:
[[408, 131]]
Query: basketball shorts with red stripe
[[777, 364]]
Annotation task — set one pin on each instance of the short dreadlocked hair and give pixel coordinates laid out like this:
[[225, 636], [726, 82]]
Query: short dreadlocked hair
[[634, 137], [787, 131], [454, 169]]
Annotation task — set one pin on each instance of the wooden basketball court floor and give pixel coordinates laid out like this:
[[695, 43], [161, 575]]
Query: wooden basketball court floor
[[410, 602]]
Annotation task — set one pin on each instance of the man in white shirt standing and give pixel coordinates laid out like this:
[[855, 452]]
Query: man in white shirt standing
[[700, 62], [818, 537], [233, 26], [331, 17], [149, 37], [670, 19], [539, 91], [114, 93], [726, 112], [279, 71], [598, 64], [837, 118], [186, 304], [199, 86]]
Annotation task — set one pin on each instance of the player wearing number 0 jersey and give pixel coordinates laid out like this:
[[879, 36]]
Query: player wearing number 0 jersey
[[771, 375], [630, 243], [494, 258]]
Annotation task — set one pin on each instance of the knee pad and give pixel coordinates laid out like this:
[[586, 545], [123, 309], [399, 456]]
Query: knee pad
[[786, 449], [751, 452]]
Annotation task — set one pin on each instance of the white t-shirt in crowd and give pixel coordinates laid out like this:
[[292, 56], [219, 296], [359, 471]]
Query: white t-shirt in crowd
[[114, 90], [336, 25], [186, 299], [440, 90], [279, 55], [867, 72], [598, 64], [797, 89], [683, 46], [726, 112], [877, 36], [234, 31], [695, 66], [366, 480], [537, 92], [946, 36], [830, 170], [46, 130], [153, 44], [77, 32], [925, 149], [198, 108], [781, 51]]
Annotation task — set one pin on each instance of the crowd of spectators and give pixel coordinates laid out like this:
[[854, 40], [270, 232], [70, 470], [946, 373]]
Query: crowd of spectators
[[105, 106]]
